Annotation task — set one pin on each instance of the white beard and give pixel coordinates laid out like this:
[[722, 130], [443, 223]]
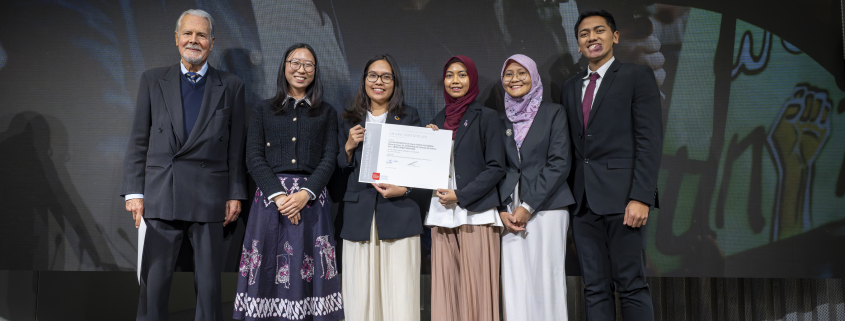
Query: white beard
[[192, 60]]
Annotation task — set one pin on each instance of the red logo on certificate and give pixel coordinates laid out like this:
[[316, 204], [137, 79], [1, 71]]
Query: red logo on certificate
[[376, 176]]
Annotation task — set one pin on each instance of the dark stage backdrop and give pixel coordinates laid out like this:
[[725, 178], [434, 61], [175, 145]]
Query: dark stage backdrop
[[753, 171]]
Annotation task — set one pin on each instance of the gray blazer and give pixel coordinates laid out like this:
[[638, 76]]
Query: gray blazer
[[545, 161], [186, 178]]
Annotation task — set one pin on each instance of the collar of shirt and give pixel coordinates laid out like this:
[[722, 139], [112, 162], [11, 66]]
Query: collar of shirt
[[297, 101], [602, 70], [202, 71]]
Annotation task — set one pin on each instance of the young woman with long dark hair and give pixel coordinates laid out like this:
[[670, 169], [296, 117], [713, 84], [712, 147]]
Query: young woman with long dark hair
[[288, 268], [381, 224]]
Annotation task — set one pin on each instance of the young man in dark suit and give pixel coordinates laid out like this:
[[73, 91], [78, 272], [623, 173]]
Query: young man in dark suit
[[184, 171], [617, 135]]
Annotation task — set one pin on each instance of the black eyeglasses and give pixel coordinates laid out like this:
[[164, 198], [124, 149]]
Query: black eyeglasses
[[385, 78], [520, 75], [295, 64]]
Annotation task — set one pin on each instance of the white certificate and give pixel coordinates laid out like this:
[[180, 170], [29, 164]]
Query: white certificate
[[406, 156]]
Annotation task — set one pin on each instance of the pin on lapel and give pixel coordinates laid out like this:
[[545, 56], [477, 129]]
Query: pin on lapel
[[509, 132], [396, 117], [466, 122]]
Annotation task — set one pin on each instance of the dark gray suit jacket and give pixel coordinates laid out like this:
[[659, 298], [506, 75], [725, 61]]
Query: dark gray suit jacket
[[545, 161], [618, 158], [186, 178], [399, 217]]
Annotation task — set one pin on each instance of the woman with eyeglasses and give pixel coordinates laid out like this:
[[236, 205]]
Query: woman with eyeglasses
[[381, 223], [465, 224], [536, 197], [288, 268]]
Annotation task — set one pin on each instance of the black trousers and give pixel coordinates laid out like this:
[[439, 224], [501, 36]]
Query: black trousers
[[612, 257], [161, 248]]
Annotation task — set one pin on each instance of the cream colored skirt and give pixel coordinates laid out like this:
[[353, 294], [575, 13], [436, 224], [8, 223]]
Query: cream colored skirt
[[381, 278]]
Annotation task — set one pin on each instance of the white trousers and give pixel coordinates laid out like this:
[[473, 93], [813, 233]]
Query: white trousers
[[533, 272], [381, 279]]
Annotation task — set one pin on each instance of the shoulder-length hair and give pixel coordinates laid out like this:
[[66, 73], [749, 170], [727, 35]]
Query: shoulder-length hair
[[314, 92], [361, 104]]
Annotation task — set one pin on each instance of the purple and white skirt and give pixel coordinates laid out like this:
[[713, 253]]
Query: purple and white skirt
[[289, 272]]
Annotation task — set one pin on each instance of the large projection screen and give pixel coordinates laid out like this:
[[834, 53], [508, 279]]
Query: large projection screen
[[752, 181]]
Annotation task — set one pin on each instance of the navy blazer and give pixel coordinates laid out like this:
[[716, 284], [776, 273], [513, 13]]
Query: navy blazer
[[618, 158], [398, 217], [545, 163], [479, 157], [187, 178]]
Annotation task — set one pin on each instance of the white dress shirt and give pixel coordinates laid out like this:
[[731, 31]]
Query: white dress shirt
[[201, 74], [586, 80]]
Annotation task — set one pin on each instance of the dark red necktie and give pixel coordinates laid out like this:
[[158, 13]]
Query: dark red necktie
[[587, 103]]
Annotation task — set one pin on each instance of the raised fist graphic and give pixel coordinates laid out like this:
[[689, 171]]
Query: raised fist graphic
[[796, 139]]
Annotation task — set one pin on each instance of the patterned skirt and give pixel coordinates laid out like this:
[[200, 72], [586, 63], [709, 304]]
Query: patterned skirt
[[289, 272]]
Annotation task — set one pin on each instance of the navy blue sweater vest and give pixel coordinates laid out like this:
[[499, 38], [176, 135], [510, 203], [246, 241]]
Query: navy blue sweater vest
[[191, 101]]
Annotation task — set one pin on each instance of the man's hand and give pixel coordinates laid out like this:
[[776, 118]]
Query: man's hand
[[636, 214], [233, 208], [447, 196], [136, 206], [508, 221], [521, 216], [293, 204], [389, 190]]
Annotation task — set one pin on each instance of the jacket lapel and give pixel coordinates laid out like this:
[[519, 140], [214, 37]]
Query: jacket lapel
[[172, 92], [211, 97], [440, 118], [363, 121], [466, 122], [510, 143], [579, 99], [534, 129], [609, 76], [392, 119]]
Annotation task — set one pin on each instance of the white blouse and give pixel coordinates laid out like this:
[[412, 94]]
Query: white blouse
[[452, 216], [376, 119]]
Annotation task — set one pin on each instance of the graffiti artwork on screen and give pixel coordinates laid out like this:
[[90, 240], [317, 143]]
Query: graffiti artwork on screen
[[753, 172]]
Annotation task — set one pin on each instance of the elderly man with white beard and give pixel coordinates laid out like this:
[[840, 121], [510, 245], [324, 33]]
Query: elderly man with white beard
[[184, 173]]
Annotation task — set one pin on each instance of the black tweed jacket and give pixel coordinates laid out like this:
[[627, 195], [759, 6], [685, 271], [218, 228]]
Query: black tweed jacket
[[297, 140]]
